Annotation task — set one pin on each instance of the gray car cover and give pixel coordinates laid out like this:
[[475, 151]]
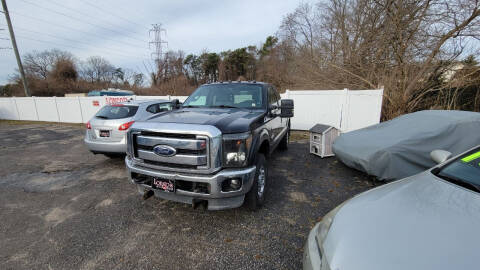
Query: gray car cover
[[401, 147]]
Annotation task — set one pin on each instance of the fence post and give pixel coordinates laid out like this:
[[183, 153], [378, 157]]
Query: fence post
[[80, 107], [380, 104], [16, 108], [36, 110], [344, 111], [56, 107]]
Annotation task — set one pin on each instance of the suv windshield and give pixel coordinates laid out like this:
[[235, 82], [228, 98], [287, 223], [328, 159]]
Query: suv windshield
[[465, 169], [116, 112], [232, 95]]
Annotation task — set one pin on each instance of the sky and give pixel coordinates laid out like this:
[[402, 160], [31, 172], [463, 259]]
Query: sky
[[118, 30]]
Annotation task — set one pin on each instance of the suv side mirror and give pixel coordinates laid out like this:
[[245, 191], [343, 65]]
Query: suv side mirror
[[440, 156], [286, 108]]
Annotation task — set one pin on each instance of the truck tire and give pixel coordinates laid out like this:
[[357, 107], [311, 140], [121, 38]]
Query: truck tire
[[255, 198], [283, 145]]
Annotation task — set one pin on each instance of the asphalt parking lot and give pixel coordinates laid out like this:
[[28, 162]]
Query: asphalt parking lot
[[62, 207]]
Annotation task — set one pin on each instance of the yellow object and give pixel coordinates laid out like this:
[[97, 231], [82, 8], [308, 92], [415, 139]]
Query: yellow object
[[471, 157]]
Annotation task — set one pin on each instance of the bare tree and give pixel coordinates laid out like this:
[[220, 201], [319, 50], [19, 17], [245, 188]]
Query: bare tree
[[40, 64], [132, 78], [402, 45], [97, 69]]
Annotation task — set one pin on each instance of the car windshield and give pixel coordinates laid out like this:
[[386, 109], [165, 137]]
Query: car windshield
[[232, 95], [464, 170], [116, 112]]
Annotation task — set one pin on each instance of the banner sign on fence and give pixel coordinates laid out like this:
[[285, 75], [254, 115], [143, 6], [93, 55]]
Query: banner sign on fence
[[115, 100]]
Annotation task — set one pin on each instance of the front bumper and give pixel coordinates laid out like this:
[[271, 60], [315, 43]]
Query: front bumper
[[98, 146], [216, 198]]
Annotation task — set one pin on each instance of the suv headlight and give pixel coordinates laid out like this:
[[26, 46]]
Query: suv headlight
[[236, 148]]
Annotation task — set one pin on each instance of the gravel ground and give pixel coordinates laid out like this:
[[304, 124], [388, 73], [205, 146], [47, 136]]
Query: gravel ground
[[64, 208]]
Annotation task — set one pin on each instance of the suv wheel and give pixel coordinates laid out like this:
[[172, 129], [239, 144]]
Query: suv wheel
[[255, 198]]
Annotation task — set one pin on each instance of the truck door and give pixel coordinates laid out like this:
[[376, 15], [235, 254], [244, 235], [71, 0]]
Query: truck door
[[275, 123]]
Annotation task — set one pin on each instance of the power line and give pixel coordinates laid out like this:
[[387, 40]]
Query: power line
[[77, 19], [109, 13], [77, 30], [90, 16], [67, 39], [66, 45]]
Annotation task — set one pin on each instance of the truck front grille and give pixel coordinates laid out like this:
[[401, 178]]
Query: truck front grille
[[164, 164], [192, 151]]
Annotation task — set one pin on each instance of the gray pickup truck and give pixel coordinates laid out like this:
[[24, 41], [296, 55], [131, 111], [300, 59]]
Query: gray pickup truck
[[213, 150]]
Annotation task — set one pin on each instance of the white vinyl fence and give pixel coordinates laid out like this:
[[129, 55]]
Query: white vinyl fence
[[62, 109], [346, 110]]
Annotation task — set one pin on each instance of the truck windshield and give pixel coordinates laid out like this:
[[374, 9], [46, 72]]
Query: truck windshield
[[465, 170], [238, 95]]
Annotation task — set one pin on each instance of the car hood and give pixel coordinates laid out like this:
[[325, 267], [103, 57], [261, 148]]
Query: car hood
[[421, 222], [226, 120]]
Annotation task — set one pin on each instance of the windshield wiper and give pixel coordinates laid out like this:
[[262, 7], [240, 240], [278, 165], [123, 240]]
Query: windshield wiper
[[459, 182], [224, 106], [101, 117], [190, 106]]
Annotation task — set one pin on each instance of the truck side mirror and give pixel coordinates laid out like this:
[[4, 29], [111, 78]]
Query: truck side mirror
[[440, 156], [286, 108], [176, 104]]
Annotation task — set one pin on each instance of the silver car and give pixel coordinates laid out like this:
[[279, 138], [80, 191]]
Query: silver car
[[107, 129], [427, 221]]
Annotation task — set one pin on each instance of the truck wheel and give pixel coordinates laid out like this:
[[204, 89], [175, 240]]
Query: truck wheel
[[285, 140], [255, 198]]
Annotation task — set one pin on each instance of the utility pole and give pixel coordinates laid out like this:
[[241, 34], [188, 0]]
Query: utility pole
[[157, 42], [15, 49]]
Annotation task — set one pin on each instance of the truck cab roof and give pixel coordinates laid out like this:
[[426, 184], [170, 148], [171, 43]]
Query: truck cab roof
[[236, 82]]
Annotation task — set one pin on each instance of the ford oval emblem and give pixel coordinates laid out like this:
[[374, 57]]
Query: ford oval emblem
[[164, 150]]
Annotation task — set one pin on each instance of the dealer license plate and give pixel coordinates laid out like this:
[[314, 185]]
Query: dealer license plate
[[104, 133], [163, 184]]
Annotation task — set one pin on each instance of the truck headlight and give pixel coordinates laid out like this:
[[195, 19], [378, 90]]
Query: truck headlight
[[236, 148]]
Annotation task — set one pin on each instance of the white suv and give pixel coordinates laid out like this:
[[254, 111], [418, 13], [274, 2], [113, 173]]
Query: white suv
[[107, 129]]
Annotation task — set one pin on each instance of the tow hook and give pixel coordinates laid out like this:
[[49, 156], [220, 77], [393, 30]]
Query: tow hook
[[199, 202], [148, 193]]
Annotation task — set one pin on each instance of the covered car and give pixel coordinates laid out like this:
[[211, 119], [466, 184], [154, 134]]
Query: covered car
[[400, 147]]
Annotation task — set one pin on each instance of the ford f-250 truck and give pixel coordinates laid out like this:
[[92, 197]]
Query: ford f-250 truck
[[213, 150]]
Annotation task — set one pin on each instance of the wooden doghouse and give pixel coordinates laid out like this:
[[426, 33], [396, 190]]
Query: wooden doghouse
[[321, 140]]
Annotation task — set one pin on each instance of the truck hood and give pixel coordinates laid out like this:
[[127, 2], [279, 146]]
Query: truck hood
[[421, 222], [225, 119]]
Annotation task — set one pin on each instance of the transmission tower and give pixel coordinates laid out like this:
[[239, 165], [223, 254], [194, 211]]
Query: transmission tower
[[157, 42]]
